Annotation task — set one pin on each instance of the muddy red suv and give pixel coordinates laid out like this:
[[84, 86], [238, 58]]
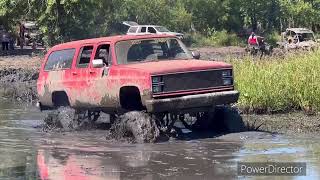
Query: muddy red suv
[[151, 73]]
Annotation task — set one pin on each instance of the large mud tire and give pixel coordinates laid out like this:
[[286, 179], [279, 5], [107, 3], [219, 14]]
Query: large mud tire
[[63, 118], [228, 119], [138, 125]]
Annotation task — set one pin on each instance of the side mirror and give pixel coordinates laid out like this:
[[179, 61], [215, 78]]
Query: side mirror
[[196, 54], [97, 63]]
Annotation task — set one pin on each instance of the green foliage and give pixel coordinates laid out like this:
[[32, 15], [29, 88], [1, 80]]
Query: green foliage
[[216, 39], [273, 37], [279, 84], [65, 20]]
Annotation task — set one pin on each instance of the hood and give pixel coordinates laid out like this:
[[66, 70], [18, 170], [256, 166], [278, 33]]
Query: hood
[[173, 66]]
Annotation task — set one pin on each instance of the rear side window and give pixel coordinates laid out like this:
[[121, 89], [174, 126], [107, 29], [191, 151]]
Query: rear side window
[[60, 60], [133, 29], [143, 29], [84, 59]]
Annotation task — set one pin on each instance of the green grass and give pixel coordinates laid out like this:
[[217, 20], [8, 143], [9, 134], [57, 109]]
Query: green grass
[[279, 84]]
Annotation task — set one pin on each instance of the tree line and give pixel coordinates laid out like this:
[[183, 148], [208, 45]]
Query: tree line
[[65, 20]]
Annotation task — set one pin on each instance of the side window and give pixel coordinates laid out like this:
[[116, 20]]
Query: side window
[[132, 29], [60, 60], [84, 58], [151, 30], [103, 53], [143, 29]]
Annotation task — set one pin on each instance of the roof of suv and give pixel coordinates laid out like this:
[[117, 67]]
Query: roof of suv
[[110, 39]]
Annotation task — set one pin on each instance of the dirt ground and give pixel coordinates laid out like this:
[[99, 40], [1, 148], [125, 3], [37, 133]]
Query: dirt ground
[[20, 62]]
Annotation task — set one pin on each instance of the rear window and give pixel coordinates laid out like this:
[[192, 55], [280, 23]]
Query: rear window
[[60, 60]]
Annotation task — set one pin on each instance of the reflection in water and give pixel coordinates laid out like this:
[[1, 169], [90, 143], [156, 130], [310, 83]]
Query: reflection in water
[[182, 160], [27, 153]]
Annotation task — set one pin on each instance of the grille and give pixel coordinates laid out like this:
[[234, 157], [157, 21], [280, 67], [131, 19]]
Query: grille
[[191, 81]]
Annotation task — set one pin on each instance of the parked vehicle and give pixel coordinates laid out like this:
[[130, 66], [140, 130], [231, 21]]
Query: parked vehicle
[[298, 38], [32, 34], [149, 74], [136, 29]]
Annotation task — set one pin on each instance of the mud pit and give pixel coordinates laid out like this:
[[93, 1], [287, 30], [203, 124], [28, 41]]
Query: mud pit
[[27, 153]]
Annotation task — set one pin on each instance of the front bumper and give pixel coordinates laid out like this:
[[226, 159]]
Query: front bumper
[[192, 101]]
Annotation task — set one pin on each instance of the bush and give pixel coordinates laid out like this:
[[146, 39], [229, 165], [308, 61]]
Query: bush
[[214, 38], [273, 37], [280, 84]]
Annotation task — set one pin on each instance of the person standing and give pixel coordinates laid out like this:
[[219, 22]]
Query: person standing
[[21, 34], [5, 41]]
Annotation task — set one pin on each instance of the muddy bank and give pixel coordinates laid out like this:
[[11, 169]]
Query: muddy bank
[[293, 123], [19, 84]]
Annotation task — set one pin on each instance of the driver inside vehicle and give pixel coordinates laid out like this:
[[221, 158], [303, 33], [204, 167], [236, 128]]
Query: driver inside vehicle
[[103, 53]]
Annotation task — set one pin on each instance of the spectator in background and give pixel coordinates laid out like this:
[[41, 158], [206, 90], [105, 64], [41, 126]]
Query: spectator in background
[[253, 40], [5, 39], [21, 35], [12, 38]]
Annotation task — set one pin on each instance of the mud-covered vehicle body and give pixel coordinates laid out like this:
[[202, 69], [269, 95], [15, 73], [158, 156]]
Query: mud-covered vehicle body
[[151, 73], [298, 38]]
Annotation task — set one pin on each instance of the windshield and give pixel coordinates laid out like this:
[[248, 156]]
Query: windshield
[[161, 29], [306, 37], [155, 49]]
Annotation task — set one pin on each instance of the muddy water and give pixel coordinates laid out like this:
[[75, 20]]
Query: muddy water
[[27, 153]]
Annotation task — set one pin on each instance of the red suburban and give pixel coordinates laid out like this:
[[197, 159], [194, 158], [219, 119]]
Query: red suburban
[[154, 74]]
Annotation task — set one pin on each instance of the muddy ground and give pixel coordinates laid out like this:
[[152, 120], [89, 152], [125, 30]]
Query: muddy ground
[[18, 75]]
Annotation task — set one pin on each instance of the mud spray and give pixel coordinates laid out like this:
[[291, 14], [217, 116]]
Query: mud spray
[[132, 127]]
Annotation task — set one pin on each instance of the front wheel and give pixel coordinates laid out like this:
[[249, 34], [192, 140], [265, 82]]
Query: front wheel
[[229, 118], [138, 125], [224, 119]]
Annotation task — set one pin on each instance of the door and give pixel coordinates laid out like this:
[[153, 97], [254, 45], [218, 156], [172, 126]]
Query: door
[[99, 79]]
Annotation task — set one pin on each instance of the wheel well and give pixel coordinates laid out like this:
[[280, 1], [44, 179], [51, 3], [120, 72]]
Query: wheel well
[[130, 98], [60, 98]]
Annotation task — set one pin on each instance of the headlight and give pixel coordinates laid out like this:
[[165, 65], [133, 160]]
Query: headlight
[[156, 79], [227, 81], [157, 84], [157, 89], [227, 73]]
